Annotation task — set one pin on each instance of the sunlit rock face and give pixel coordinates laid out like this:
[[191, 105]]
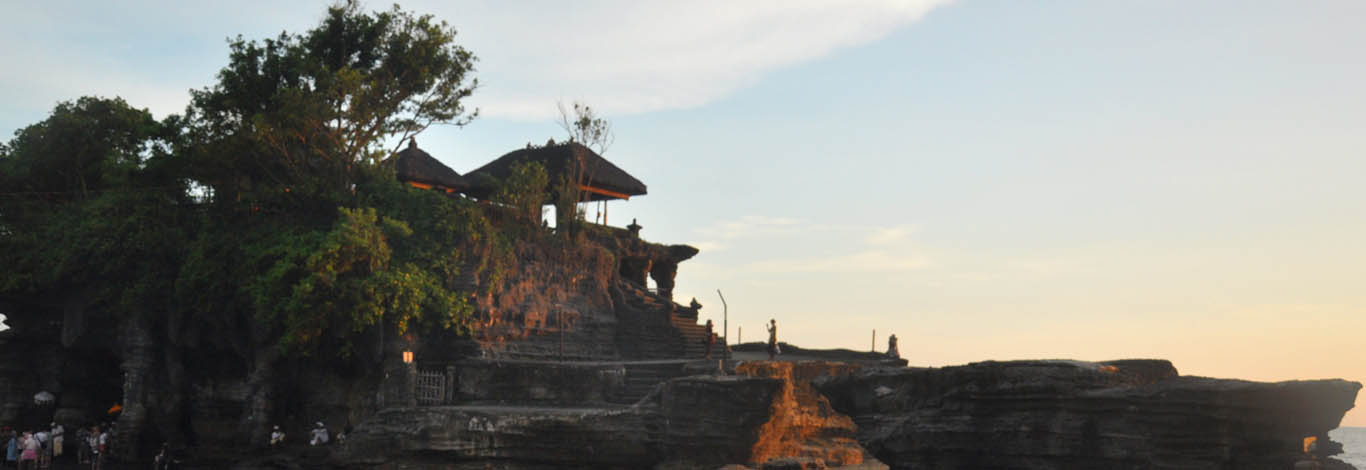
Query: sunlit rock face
[[1067, 415], [802, 423]]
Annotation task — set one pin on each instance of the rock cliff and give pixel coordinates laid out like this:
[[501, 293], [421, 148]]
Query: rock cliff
[[1068, 414]]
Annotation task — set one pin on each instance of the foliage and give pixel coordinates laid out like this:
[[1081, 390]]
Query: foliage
[[585, 127], [525, 190], [263, 209], [310, 112], [346, 280]]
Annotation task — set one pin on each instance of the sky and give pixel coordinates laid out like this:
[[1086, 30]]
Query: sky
[[984, 179]]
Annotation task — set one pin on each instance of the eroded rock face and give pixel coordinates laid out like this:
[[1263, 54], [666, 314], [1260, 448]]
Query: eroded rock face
[[803, 423], [1067, 414]]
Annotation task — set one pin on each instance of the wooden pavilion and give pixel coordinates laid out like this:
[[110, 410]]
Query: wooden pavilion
[[420, 170], [598, 179]]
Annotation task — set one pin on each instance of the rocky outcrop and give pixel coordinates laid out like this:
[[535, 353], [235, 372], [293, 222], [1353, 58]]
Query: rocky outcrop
[[638, 258], [1068, 414]]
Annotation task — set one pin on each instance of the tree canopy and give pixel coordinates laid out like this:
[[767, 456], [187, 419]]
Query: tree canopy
[[266, 210]]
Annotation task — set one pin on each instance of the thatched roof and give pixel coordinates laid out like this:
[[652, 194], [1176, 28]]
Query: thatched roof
[[558, 160], [413, 164]]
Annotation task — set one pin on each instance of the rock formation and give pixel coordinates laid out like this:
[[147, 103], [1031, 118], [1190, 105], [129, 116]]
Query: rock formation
[[1068, 414]]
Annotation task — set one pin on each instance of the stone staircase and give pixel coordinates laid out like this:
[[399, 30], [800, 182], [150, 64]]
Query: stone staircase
[[642, 377], [653, 327]]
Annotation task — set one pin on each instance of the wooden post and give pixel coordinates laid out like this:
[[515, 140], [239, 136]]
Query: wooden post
[[873, 346]]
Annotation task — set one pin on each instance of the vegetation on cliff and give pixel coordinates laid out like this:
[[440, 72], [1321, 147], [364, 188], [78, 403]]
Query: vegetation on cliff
[[265, 204], [263, 223]]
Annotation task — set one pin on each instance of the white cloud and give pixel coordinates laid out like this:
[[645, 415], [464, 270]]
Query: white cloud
[[891, 250], [889, 235], [622, 57], [872, 261], [637, 57]]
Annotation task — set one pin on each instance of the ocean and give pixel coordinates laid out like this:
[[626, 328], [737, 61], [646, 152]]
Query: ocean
[[1353, 445]]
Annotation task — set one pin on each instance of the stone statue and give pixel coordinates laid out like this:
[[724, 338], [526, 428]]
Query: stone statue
[[892, 352]]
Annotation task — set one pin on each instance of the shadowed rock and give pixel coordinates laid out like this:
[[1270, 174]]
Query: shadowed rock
[[1069, 414]]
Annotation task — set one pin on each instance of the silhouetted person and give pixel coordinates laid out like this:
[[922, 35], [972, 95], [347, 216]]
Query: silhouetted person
[[892, 352], [772, 339], [711, 336]]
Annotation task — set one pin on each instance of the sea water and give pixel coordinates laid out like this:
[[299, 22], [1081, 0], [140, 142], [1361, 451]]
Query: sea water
[[1353, 445]]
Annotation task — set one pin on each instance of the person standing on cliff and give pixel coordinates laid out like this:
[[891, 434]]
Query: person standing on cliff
[[711, 336], [772, 339], [892, 351]]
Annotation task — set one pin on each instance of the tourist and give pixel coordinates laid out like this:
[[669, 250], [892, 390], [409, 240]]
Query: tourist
[[29, 457], [11, 449], [319, 434], [83, 445], [57, 439], [711, 336], [96, 441], [773, 350], [44, 448], [277, 437]]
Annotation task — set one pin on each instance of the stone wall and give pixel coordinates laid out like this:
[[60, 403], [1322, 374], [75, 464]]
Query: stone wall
[[699, 420], [535, 382]]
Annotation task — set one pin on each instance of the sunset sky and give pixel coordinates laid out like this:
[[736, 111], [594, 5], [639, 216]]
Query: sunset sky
[[985, 179]]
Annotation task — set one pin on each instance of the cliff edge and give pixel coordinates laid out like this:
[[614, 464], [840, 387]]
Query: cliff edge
[[1071, 414]]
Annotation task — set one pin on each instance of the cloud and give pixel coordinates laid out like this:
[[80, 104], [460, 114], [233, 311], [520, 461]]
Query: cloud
[[889, 235], [872, 261], [753, 225], [891, 249], [636, 57], [621, 57]]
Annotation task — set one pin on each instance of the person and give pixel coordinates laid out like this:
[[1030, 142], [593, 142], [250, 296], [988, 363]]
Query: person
[[711, 337], [97, 441], [12, 449], [29, 457], [319, 434], [82, 445], [57, 439], [44, 448], [773, 339], [892, 352], [277, 437]]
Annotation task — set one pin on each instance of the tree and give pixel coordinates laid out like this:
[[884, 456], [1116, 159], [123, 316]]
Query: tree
[[305, 246], [585, 127], [311, 112]]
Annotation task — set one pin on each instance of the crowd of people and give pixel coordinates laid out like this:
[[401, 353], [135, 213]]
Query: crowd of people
[[37, 449]]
